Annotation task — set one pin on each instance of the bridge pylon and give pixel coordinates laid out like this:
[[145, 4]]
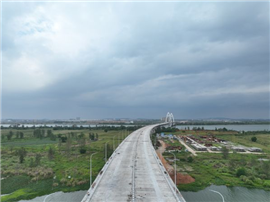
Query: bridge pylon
[[169, 119]]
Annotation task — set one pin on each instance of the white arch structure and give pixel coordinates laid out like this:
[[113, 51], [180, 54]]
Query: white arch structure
[[169, 119]]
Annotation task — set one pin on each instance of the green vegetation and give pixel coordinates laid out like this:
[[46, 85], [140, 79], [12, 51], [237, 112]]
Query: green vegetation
[[253, 139], [46, 160], [230, 169], [238, 170], [38, 161]]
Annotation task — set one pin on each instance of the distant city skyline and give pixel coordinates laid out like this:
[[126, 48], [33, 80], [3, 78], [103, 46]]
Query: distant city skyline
[[137, 60]]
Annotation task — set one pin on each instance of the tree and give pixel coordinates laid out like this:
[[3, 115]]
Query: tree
[[82, 150], [37, 159], [82, 142], [17, 134], [9, 135], [21, 135], [21, 153], [49, 133], [92, 136], [225, 152], [81, 135], [31, 164], [42, 134], [240, 171], [253, 139], [190, 159], [63, 139], [96, 136], [50, 154], [36, 133]]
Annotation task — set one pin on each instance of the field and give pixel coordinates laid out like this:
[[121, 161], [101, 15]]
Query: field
[[46, 160], [213, 168], [53, 161]]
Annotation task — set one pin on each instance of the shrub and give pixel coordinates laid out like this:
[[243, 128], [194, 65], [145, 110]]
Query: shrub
[[240, 171], [63, 180], [82, 150], [55, 184], [266, 184], [253, 139], [190, 159]]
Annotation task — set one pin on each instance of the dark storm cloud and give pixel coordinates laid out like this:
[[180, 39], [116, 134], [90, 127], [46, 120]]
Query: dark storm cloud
[[135, 60]]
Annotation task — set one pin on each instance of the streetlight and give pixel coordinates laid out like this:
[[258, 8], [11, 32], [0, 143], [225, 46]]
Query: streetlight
[[113, 142], [54, 177], [126, 133], [174, 170], [118, 139], [106, 151], [91, 168]]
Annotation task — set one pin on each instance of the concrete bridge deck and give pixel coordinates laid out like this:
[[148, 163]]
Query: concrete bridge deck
[[134, 173]]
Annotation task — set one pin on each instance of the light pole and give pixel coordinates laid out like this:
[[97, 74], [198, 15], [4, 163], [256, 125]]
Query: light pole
[[106, 151], [174, 171], [118, 139], [113, 142], [91, 168]]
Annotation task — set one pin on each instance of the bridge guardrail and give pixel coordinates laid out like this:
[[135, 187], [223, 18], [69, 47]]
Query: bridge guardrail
[[92, 189], [172, 186]]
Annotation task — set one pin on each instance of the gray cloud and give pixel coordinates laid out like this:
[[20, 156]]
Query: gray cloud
[[95, 60]]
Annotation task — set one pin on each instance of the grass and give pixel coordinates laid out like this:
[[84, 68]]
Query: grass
[[263, 140], [71, 169], [25, 182], [212, 168]]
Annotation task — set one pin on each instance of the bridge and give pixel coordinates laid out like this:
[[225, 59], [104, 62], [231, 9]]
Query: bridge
[[134, 172]]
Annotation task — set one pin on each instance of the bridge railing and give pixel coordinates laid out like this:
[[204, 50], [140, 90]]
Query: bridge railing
[[171, 184], [94, 185]]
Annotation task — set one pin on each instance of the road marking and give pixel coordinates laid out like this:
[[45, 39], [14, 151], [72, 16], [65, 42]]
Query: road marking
[[218, 193], [47, 197]]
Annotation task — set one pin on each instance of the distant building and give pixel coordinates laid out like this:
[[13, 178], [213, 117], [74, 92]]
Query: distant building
[[213, 148], [165, 136], [199, 147], [239, 149], [254, 149]]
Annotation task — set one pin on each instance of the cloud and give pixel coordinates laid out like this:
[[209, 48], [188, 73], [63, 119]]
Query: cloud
[[123, 59]]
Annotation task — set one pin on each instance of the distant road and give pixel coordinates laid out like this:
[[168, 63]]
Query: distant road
[[134, 173]]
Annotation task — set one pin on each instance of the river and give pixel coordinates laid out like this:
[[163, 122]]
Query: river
[[230, 194], [253, 127], [248, 127]]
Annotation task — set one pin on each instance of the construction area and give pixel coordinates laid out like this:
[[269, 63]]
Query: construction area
[[206, 143]]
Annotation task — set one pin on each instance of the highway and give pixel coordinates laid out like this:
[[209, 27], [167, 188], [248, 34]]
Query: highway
[[134, 173]]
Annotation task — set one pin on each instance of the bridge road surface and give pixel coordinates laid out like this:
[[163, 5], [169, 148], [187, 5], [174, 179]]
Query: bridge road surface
[[134, 173]]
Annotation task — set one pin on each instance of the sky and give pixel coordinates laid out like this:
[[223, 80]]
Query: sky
[[135, 60]]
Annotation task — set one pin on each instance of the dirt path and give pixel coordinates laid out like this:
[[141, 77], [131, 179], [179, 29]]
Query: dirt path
[[180, 178], [188, 148]]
